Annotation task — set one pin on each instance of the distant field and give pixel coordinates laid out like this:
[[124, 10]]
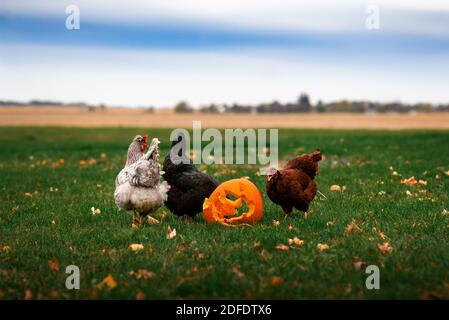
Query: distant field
[[51, 177], [123, 117]]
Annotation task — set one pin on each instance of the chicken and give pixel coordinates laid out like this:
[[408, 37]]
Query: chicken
[[137, 186], [294, 186], [188, 186]]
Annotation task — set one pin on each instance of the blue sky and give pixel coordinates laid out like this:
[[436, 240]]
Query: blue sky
[[159, 52]]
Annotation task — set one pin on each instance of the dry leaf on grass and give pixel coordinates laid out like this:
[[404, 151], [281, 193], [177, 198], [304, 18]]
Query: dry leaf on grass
[[171, 233], [335, 187], [296, 241], [28, 294], [237, 272], [358, 264], [257, 245], [408, 193], [152, 220], [276, 280], [385, 248], [413, 182], [322, 246], [445, 212], [94, 211], [282, 247], [136, 247], [291, 228], [109, 282], [276, 223], [353, 227], [140, 295], [330, 223], [6, 248], [142, 274], [446, 173], [53, 264]]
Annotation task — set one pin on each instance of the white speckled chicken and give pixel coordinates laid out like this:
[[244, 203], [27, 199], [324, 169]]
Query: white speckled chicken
[[138, 186]]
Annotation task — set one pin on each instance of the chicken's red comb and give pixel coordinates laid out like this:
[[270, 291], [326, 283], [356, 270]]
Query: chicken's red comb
[[145, 138]]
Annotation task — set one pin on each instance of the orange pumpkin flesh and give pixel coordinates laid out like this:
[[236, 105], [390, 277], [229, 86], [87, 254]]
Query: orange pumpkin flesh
[[219, 208]]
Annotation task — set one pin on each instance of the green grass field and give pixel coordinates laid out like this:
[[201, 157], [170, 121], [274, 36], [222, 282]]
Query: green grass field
[[46, 222]]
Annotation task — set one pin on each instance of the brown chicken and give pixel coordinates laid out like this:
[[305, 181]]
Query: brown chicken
[[294, 186]]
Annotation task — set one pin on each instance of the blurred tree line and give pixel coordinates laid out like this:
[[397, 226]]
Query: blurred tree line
[[303, 105]]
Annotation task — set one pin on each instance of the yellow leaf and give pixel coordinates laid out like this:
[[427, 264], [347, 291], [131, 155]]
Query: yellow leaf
[[109, 281], [352, 227], [385, 248], [171, 233], [322, 246], [296, 241], [276, 223], [6, 248], [257, 245], [140, 295], [136, 247], [276, 280], [335, 187], [142, 274], [152, 220], [282, 247], [237, 272], [53, 264]]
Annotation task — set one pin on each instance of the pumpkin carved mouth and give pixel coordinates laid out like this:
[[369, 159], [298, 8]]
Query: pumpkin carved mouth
[[224, 203]]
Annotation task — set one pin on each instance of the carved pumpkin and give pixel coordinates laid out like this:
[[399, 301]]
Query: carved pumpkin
[[220, 208]]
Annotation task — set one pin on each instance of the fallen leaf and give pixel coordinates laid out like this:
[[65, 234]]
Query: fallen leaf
[[276, 280], [322, 246], [94, 211], [381, 193], [171, 233], [330, 223], [296, 241], [6, 248], [142, 274], [257, 245], [282, 247], [445, 212], [28, 294], [335, 187], [152, 220], [136, 247], [437, 177], [109, 281], [140, 295], [291, 228], [358, 264], [408, 193], [385, 248], [53, 264], [446, 172], [413, 182], [237, 272], [276, 223], [352, 227]]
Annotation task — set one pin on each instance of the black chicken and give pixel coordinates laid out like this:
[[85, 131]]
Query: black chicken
[[188, 186]]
